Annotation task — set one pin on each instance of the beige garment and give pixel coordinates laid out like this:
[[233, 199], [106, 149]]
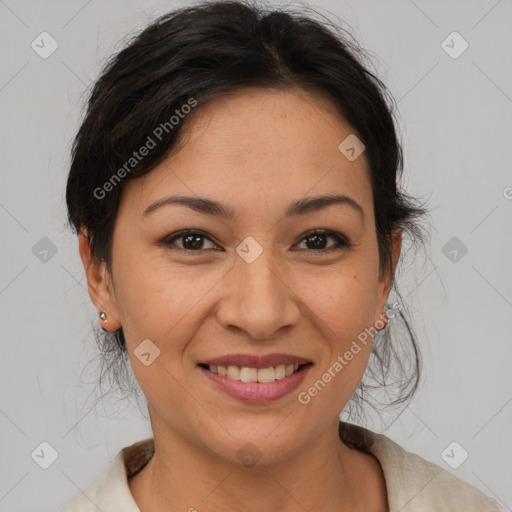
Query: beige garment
[[413, 484]]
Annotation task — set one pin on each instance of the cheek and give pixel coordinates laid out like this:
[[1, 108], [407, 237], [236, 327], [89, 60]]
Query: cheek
[[343, 359], [343, 299], [159, 299], [344, 315]]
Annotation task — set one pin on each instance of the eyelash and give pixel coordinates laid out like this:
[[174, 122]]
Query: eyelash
[[341, 241]]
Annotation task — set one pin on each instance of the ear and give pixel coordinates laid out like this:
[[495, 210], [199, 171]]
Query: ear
[[386, 277], [99, 284]]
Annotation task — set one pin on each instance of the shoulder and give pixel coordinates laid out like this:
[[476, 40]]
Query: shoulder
[[111, 491], [415, 484]]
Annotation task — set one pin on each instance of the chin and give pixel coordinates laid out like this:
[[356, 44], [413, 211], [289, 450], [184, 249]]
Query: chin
[[252, 445]]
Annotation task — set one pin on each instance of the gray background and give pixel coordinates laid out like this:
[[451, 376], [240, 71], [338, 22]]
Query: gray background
[[456, 127]]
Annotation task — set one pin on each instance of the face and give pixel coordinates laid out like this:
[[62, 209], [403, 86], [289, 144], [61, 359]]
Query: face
[[252, 278]]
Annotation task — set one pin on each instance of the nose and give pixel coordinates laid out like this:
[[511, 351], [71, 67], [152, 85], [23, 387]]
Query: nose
[[259, 299]]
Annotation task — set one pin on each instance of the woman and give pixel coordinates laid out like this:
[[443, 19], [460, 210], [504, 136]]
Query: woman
[[234, 188]]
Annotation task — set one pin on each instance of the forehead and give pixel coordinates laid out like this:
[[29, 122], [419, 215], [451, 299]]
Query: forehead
[[270, 145]]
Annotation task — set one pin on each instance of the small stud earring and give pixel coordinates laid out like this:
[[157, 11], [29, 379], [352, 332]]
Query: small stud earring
[[103, 316]]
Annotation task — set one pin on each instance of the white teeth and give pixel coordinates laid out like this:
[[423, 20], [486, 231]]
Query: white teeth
[[249, 374], [266, 375], [280, 372], [233, 372], [245, 374]]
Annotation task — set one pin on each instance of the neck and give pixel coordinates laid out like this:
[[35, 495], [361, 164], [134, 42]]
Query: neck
[[325, 475]]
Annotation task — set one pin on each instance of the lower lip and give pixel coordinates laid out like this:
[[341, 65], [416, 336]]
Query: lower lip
[[257, 392]]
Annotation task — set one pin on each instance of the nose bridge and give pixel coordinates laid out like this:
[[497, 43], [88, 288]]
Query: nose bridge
[[259, 280], [260, 301]]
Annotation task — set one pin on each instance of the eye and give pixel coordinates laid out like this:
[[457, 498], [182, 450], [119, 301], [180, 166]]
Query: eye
[[317, 240], [191, 240]]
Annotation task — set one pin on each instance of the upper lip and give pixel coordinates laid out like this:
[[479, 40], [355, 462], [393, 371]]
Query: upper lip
[[255, 361]]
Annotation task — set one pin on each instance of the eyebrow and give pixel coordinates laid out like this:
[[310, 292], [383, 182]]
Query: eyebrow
[[211, 207]]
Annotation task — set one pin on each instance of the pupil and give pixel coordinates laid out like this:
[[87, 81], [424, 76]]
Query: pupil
[[196, 241], [318, 244]]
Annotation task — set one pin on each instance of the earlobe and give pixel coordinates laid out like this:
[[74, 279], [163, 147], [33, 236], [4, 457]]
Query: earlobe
[[99, 285]]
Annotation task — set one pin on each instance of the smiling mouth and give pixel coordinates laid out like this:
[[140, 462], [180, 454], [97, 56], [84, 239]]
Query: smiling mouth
[[261, 375]]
